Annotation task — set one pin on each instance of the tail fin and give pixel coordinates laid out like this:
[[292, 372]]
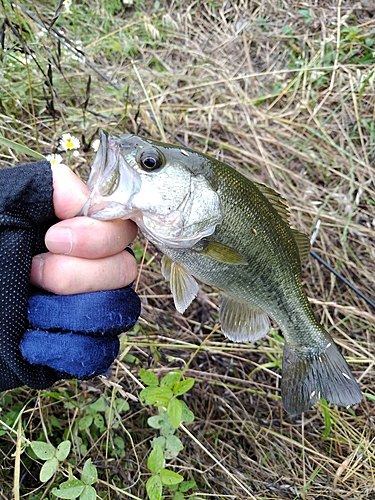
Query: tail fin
[[307, 377]]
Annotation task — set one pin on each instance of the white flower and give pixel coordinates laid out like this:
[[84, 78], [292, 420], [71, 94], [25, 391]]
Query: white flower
[[68, 142], [95, 145], [54, 159], [67, 4]]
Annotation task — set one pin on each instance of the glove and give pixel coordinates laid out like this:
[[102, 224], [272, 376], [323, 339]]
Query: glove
[[46, 337], [78, 332]]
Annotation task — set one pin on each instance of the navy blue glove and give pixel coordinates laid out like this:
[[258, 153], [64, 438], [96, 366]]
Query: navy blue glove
[[77, 334], [46, 337]]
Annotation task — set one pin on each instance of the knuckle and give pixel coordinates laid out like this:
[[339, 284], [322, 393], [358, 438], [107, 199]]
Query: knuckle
[[57, 276], [128, 268]]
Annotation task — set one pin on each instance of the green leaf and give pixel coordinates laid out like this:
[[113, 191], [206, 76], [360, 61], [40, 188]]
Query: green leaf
[[187, 485], [99, 422], [121, 405], [159, 441], [170, 379], [54, 422], [48, 469], [155, 461], [156, 422], [178, 496], [154, 488], [89, 473], [119, 443], [20, 148], [145, 393], [369, 396], [305, 13], [69, 490], [173, 445], [89, 493], [148, 377], [42, 450], [287, 30], [130, 358], [85, 422], [187, 415], [169, 477], [167, 427], [183, 386], [175, 412], [98, 405], [173, 487], [156, 395], [63, 450]]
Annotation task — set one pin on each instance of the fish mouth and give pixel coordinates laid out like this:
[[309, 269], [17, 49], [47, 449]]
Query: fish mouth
[[112, 183], [100, 160]]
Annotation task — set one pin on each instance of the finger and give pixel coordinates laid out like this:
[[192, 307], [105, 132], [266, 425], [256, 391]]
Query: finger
[[65, 275], [69, 192], [90, 238]]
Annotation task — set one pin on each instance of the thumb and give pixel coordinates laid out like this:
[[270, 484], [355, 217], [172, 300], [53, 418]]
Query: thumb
[[69, 192]]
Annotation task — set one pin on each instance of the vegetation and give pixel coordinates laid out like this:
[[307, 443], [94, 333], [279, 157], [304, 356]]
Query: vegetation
[[283, 91]]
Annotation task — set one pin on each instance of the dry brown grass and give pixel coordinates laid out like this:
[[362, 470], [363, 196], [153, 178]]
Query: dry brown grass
[[284, 90]]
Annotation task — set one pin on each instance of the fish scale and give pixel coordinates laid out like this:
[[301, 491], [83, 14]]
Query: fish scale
[[232, 233]]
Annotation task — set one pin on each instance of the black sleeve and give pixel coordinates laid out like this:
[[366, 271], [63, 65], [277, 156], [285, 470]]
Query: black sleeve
[[26, 211]]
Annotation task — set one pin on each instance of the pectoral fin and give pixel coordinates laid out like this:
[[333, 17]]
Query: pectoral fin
[[242, 322], [220, 252], [184, 288]]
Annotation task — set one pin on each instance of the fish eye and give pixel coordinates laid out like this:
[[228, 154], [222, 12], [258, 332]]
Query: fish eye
[[151, 160]]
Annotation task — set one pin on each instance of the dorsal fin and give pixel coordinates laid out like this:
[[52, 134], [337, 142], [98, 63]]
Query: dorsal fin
[[280, 204], [277, 201], [303, 244]]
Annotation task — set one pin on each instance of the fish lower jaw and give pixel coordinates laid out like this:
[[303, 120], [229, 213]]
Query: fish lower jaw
[[165, 234]]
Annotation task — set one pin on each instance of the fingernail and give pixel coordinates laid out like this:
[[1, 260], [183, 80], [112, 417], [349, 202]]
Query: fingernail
[[59, 240]]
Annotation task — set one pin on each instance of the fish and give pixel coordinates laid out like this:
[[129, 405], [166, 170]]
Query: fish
[[215, 225]]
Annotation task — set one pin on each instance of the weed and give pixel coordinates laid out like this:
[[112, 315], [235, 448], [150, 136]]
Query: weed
[[172, 412]]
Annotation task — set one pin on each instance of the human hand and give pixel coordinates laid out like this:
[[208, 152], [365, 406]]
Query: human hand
[[46, 336], [85, 254]]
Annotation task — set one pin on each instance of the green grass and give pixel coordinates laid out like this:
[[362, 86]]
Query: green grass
[[286, 94]]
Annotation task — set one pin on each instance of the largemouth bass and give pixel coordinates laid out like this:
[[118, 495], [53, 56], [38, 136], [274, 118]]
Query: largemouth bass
[[217, 226]]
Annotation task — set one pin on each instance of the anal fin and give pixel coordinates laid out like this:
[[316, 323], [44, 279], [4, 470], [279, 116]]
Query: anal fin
[[307, 377], [241, 321]]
